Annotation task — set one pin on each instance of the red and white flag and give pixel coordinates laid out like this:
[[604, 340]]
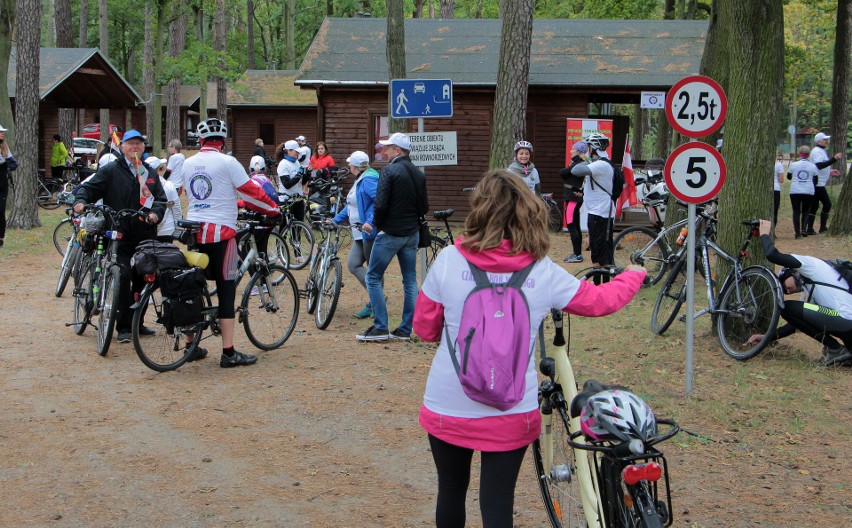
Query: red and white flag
[[146, 198], [628, 194]]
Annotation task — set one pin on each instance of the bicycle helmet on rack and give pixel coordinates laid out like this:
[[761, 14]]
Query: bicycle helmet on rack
[[617, 415], [523, 144], [212, 128], [597, 141]]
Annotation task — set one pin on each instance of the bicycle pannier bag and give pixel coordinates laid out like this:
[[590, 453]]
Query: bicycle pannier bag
[[492, 350], [183, 291], [152, 256], [425, 234]]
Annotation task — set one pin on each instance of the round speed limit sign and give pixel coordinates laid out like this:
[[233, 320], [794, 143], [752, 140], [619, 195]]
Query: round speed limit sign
[[696, 106], [695, 172]]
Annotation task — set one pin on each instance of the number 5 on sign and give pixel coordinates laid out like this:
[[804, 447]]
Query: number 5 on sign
[[696, 106], [695, 172]]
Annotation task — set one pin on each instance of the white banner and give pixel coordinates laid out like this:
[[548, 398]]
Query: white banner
[[434, 148], [653, 100]]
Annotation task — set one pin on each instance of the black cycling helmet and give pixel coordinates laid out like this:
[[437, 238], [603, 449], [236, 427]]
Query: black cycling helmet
[[786, 273]]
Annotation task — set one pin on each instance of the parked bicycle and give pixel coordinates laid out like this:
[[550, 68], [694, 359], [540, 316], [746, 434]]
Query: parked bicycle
[[325, 278], [554, 212], [268, 309], [749, 300], [590, 475], [441, 237], [297, 234]]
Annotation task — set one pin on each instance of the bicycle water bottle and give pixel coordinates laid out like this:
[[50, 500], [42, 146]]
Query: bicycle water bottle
[[681, 238]]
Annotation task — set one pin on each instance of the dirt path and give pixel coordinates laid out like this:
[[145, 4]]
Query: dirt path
[[324, 432]]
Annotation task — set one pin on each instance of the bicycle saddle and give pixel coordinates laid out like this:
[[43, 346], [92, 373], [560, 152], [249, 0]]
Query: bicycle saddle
[[443, 215], [590, 388]]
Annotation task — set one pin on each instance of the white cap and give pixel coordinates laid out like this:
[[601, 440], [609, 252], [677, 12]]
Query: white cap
[[821, 136], [257, 163], [291, 145], [164, 162], [399, 139], [107, 158], [2, 129], [153, 162], [359, 159], [301, 138]]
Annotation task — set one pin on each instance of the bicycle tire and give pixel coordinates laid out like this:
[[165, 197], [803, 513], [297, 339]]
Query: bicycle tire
[[47, 196], [277, 251], [754, 310], [165, 350], [313, 282], [670, 299], [554, 217], [560, 491], [270, 313], [107, 313], [300, 240], [62, 233], [329, 293], [435, 246], [638, 245], [592, 273], [82, 294], [69, 260]]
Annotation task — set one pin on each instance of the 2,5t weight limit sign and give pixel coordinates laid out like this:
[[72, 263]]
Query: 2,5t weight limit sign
[[695, 172], [696, 106]]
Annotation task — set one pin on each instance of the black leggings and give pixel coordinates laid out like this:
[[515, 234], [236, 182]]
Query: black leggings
[[4, 193], [496, 488], [776, 201], [820, 197], [820, 323], [801, 206], [574, 230], [222, 269]]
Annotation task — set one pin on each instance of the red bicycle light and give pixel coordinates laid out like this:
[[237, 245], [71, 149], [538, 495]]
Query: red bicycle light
[[149, 277], [650, 471]]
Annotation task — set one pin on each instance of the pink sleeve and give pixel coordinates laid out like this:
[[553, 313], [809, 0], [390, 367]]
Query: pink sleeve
[[597, 301], [428, 318]]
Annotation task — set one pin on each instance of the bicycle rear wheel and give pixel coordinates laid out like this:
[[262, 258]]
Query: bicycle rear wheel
[[747, 308], [329, 293], [670, 299], [435, 246], [300, 238], [69, 261], [167, 348], [83, 294], [277, 251], [313, 282], [554, 216], [107, 315], [269, 310], [645, 511], [62, 233], [48, 194], [638, 245]]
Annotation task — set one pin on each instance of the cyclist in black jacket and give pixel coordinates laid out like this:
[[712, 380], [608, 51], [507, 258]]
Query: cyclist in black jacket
[[118, 184]]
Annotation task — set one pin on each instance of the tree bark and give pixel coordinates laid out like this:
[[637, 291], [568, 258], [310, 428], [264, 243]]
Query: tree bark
[[177, 43], [250, 32], [103, 39], [7, 26], [49, 29], [199, 37], [64, 39], [841, 222], [23, 213], [395, 50], [219, 45], [83, 42], [448, 9], [418, 9], [509, 122]]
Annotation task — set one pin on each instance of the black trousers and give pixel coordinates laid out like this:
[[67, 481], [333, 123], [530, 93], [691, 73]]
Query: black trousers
[[776, 202], [823, 324], [574, 229], [130, 284], [801, 206], [820, 197], [600, 239], [4, 194]]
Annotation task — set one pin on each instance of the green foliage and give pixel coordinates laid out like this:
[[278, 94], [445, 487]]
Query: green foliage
[[199, 62]]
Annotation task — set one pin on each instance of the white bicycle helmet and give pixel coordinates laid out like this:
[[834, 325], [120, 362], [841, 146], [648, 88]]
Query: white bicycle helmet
[[212, 128], [597, 141], [617, 415], [523, 144]]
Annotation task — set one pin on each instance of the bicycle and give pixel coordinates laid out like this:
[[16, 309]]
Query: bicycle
[[49, 190], [437, 242], [587, 482], [72, 254], [325, 278], [749, 301], [268, 310], [297, 234]]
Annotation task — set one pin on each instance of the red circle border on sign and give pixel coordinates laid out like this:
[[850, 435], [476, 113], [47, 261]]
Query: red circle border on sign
[[670, 113], [723, 170]]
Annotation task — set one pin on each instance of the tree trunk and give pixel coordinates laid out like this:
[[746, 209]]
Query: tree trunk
[[177, 43], [509, 122], [7, 26], [83, 42], [219, 45], [669, 9], [395, 52], [49, 27], [103, 39], [199, 37], [841, 222], [448, 9], [418, 9], [745, 54], [290, 30], [250, 32], [24, 214], [148, 69], [64, 39]]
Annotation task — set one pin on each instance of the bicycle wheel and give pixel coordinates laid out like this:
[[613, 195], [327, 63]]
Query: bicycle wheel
[[278, 252], [269, 310], [313, 282], [48, 194], [300, 239], [166, 349], [638, 245], [559, 486], [746, 308], [435, 246], [554, 217], [69, 261], [596, 275], [83, 294], [670, 299], [107, 315], [329, 293], [645, 511], [62, 233]]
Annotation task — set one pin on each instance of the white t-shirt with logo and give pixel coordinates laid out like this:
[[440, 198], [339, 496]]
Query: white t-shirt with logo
[[779, 169], [818, 154], [803, 172], [211, 180], [175, 165]]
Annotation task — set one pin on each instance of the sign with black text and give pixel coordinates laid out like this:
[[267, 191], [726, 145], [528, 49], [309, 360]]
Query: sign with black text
[[433, 148]]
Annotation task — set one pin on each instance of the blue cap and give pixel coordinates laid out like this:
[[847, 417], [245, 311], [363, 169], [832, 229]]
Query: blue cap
[[132, 134]]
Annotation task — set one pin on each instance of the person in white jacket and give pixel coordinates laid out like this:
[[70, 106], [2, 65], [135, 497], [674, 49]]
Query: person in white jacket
[[174, 213]]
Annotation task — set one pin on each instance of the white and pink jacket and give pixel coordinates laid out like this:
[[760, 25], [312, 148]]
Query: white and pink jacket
[[448, 413]]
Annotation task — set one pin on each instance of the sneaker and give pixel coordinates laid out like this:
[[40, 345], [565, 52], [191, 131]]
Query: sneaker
[[238, 359], [199, 353], [373, 334], [798, 236], [399, 335], [124, 337], [255, 291], [145, 331], [366, 311], [834, 356], [811, 232], [571, 259]]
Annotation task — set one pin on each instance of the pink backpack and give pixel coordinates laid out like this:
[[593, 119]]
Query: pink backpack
[[492, 350]]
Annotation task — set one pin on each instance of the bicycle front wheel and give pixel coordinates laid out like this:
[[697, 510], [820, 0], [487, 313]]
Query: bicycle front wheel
[[435, 246], [68, 263], [746, 308], [670, 299], [312, 293], [62, 233], [48, 195], [83, 287], [639, 245], [167, 348], [277, 251], [269, 310], [554, 217], [300, 238], [329, 293], [106, 316]]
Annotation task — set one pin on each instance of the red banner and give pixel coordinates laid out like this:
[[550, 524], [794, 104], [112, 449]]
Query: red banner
[[578, 128]]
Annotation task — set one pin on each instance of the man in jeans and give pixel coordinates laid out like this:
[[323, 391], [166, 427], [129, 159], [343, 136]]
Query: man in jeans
[[400, 202]]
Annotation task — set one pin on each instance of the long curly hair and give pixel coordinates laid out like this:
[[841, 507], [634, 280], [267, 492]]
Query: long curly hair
[[503, 207]]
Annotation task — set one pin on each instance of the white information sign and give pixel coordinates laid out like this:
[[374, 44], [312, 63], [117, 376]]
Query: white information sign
[[433, 148], [653, 100]]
